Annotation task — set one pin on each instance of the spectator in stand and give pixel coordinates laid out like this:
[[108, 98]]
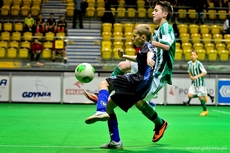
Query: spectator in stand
[[36, 50], [108, 15], [59, 49], [51, 24], [40, 24], [77, 12], [84, 6], [200, 6], [29, 23], [226, 29], [61, 24]]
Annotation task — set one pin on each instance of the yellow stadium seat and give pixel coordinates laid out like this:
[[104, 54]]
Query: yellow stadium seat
[[121, 4], [178, 45], [100, 11], [26, 2], [186, 46], [27, 36], [224, 55], [192, 13], [128, 36], [0, 26], [90, 11], [106, 53], [204, 29], [115, 53], [183, 28], [209, 46], [212, 14], [18, 26], [131, 12], [49, 36], [107, 27], [117, 36], [130, 51], [46, 53], [195, 38], [4, 44], [212, 55], [26, 44], [11, 52], [106, 44], [140, 4], [23, 53], [227, 38], [118, 44], [7, 2], [5, 36], [182, 13], [222, 14], [150, 11], [14, 44], [60, 35], [217, 38], [129, 45], [37, 2], [206, 38], [152, 27], [15, 10], [69, 11], [141, 12], [118, 27], [100, 4], [215, 29], [38, 36], [201, 54], [128, 27], [5, 10], [16, 36], [187, 54], [193, 28], [178, 55], [106, 36], [228, 46], [211, 4], [25, 10], [198, 46], [220, 46], [17, 2], [2, 52], [121, 12], [48, 44], [184, 37], [35, 10], [113, 11], [7, 26]]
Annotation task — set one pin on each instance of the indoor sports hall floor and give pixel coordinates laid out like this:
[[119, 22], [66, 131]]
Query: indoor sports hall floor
[[60, 128]]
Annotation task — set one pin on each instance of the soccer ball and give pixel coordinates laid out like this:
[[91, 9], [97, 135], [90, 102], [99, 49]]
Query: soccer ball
[[84, 72]]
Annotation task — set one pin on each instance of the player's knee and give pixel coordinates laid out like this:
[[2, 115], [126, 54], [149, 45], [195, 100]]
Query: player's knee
[[139, 104], [200, 97], [103, 84], [190, 95], [124, 66]]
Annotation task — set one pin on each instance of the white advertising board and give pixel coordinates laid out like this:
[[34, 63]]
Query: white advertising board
[[4, 88], [73, 89], [177, 93], [36, 89]]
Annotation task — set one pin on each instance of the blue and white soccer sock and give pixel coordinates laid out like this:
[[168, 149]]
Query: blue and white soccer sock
[[113, 128], [102, 100]]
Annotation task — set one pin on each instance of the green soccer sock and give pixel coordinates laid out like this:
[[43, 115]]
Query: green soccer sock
[[194, 96], [151, 114], [203, 104], [117, 71]]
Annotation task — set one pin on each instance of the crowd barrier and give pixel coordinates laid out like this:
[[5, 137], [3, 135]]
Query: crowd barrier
[[66, 89]]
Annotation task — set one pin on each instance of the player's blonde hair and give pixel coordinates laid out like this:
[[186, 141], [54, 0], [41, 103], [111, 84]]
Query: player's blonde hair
[[144, 29]]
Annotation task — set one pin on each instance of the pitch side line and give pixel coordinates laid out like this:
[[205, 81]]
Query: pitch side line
[[223, 112]]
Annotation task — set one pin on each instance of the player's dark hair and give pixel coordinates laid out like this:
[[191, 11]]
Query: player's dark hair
[[166, 7], [51, 14], [144, 29], [194, 51]]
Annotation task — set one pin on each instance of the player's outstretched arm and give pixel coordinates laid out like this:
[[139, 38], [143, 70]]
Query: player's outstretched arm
[[128, 57], [150, 60]]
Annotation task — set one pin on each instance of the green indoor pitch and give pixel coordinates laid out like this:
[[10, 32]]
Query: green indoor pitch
[[60, 128]]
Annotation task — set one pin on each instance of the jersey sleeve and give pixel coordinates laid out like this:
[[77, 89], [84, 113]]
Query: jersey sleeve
[[167, 35], [201, 68], [188, 67]]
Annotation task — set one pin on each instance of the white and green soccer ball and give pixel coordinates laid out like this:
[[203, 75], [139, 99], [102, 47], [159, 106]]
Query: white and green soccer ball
[[85, 72]]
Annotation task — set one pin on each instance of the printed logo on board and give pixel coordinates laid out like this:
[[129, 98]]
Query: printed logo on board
[[78, 91], [225, 91]]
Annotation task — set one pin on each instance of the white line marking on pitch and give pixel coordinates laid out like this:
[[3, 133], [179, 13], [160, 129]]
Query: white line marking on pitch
[[221, 111]]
